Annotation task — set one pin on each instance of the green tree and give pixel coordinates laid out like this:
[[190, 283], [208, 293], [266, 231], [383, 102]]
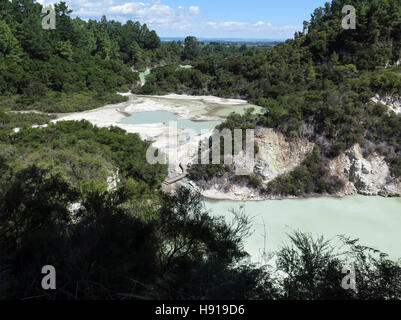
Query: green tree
[[9, 45], [191, 48]]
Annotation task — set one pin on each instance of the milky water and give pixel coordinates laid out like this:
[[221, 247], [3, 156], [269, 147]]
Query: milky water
[[165, 117], [375, 221], [201, 106], [150, 117], [143, 75]]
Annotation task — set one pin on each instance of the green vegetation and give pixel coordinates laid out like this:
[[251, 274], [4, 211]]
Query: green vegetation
[[207, 172], [127, 240], [84, 155], [78, 66], [172, 78], [10, 121], [319, 85], [396, 166], [252, 180], [107, 250], [61, 102], [311, 177]]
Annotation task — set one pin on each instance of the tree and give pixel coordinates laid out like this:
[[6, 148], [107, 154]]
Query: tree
[[64, 27], [152, 40], [64, 49], [31, 202], [9, 45], [191, 48]]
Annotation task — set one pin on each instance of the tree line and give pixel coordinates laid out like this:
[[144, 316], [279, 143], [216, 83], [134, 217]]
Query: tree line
[[318, 85]]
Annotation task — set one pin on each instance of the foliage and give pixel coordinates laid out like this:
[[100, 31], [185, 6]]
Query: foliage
[[132, 242], [312, 177], [46, 69], [107, 251], [319, 85], [84, 155], [172, 78], [191, 48], [396, 166]]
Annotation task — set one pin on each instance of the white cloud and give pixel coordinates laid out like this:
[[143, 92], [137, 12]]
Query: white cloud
[[194, 9], [149, 13], [174, 21], [258, 26], [228, 24]]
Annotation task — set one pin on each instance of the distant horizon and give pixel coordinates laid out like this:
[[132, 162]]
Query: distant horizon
[[224, 19], [225, 39]]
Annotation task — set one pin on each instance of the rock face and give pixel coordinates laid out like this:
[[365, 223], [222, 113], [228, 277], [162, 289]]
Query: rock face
[[277, 155], [393, 102], [369, 176]]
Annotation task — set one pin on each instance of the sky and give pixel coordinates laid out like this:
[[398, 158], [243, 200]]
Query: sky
[[250, 19]]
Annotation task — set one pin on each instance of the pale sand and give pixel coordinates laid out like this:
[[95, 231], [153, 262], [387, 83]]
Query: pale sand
[[186, 107], [211, 99]]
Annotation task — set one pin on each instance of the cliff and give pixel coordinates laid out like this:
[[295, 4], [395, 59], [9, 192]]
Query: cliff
[[393, 102], [368, 175]]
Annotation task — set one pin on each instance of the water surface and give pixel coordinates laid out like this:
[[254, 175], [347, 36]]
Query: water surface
[[153, 117], [376, 221], [150, 117], [143, 75]]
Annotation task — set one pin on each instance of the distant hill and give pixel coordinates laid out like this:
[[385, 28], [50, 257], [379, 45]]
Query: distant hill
[[227, 40]]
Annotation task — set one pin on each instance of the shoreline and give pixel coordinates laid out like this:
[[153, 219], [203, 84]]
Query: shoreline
[[231, 197], [304, 198], [215, 195], [157, 134], [317, 196], [193, 108]]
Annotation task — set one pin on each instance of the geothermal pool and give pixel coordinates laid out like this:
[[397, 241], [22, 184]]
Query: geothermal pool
[[165, 117], [376, 221]]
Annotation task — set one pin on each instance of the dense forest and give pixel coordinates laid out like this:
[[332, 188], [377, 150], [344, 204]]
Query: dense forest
[[111, 248], [85, 200], [79, 65], [318, 85]]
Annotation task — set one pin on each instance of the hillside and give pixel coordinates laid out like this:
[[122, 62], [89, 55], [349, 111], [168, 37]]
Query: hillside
[[322, 85], [77, 66], [85, 200]]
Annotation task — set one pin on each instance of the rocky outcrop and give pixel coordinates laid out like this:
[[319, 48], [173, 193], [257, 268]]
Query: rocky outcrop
[[277, 155], [369, 175], [393, 102]]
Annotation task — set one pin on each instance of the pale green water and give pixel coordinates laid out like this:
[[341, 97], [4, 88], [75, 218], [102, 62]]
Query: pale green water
[[202, 107], [375, 221], [151, 117], [143, 75]]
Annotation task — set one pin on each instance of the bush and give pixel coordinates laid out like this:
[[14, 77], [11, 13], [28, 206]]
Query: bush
[[311, 177]]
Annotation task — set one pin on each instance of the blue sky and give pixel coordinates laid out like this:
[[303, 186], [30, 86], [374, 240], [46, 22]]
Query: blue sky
[[261, 19]]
